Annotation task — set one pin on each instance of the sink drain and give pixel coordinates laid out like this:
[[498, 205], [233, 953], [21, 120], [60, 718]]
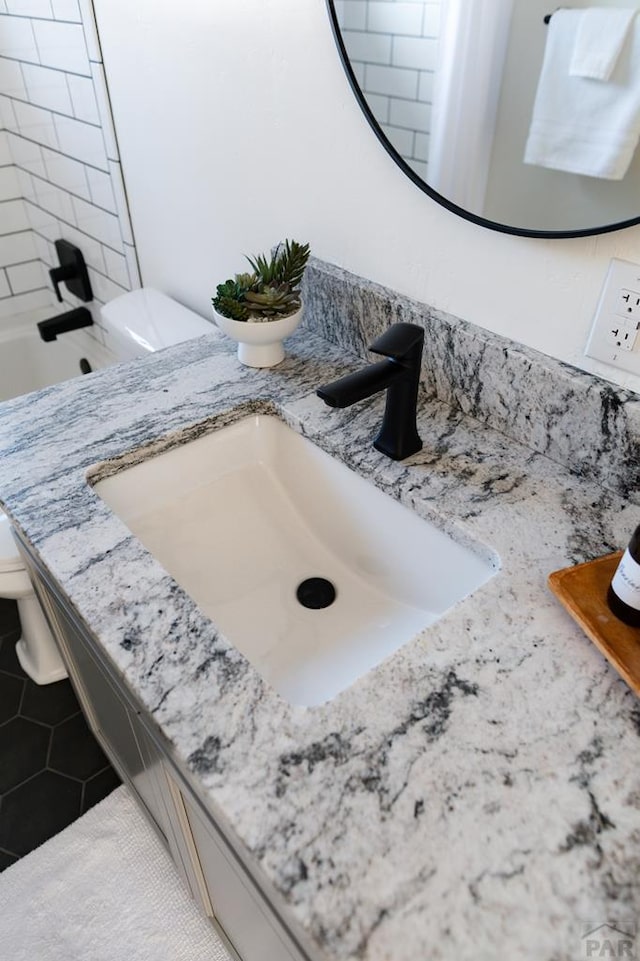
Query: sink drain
[[316, 593]]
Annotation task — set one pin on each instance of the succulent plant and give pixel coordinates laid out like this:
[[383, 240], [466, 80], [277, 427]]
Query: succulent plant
[[273, 301], [272, 291], [229, 300]]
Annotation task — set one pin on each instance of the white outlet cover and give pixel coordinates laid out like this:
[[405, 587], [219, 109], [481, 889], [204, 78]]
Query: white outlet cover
[[602, 345]]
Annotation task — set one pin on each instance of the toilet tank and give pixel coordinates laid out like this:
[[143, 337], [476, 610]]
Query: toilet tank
[[146, 320]]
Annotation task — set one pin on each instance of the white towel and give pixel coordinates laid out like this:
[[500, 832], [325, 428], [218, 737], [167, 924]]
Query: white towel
[[579, 125], [102, 890], [601, 35]]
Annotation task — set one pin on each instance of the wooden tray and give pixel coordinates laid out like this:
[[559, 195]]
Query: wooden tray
[[583, 591]]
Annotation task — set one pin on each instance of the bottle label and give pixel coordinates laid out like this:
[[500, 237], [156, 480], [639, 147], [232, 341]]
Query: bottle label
[[626, 581]]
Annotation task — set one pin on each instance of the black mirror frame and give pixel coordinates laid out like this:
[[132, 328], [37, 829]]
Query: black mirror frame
[[439, 198]]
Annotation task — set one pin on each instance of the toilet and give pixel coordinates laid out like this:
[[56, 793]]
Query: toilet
[[137, 323]]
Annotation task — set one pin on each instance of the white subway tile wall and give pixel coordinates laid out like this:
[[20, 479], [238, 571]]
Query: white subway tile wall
[[66, 10], [393, 49], [60, 173], [5, 153]]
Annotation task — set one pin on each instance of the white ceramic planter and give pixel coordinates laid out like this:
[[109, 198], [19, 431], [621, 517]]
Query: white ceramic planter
[[259, 345]]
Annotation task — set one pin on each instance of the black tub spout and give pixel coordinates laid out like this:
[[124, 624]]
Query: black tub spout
[[63, 323]]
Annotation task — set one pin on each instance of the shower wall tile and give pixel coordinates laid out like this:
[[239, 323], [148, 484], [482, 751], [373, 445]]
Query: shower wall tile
[[402, 140], [11, 79], [13, 216], [411, 115], [27, 187], [92, 40], [54, 200], [60, 173], [30, 8], [370, 47], [101, 190], [7, 114], [353, 13], [392, 82], [120, 197], [17, 39], [432, 19], [395, 18], [15, 304], [426, 86], [415, 52], [81, 140], [83, 99], [132, 265], [44, 248], [97, 223], [5, 153], [392, 47], [117, 268], [105, 289], [25, 277], [18, 248], [69, 174], [44, 224], [9, 186], [35, 124], [421, 146], [62, 45], [104, 110], [46, 88], [27, 155], [66, 10], [380, 106]]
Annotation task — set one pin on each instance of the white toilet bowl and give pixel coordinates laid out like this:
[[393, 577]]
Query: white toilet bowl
[[138, 323], [36, 650]]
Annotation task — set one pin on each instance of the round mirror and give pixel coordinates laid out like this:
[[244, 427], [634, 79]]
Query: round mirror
[[501, 110]]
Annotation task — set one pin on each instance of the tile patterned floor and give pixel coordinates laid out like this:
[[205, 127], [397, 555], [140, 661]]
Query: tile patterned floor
[[52, 769]]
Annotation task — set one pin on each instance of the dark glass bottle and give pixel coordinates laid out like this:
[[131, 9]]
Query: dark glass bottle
[[623, 596]]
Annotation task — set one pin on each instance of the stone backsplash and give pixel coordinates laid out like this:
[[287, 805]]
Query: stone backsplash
[[586, 424]]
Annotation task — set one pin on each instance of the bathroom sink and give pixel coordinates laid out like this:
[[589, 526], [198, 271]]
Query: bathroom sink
[[243, 516]]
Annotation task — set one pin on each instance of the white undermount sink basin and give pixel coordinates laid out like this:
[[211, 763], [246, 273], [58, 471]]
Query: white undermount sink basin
[[241, 516]]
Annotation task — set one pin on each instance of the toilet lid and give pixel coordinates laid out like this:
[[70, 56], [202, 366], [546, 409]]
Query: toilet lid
[[9, 557]]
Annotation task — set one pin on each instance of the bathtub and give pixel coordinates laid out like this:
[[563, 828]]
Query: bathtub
[[28, 363]]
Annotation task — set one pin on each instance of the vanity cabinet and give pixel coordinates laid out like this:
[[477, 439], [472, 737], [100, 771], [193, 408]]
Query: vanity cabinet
[[113, 723], [217, 879], [255, 933]]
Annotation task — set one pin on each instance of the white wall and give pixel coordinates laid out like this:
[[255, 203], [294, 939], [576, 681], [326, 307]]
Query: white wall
[[237, 127]]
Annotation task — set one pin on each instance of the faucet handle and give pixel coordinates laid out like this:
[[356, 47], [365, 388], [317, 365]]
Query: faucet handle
[[399, 341], [72, 272], [58, 274]]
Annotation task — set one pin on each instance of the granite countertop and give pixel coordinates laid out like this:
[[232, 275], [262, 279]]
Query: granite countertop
[[476, 795]]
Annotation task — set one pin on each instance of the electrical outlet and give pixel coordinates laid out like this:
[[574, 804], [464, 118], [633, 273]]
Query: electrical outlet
[[623, 334], [629, 303], [614, 334]]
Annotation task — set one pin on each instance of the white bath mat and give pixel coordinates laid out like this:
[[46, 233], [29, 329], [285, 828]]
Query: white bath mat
[[102, 890]]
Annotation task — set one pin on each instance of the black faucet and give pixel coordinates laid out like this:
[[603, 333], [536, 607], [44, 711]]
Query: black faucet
[[63, 323], [399, 375]]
